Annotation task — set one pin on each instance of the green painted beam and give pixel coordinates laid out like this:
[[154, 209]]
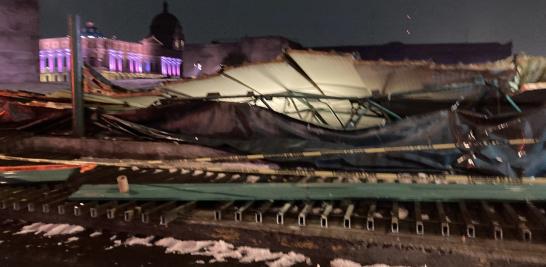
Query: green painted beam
[[41, 176], [312, 191]]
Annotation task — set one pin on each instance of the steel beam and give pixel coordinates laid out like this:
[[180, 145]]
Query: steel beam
[[259, 214], [370, 221], [171, 215], [311, 192], [444, 221], [78, 122], [467, 219], [491, 215], [419, 226], [347, 217]]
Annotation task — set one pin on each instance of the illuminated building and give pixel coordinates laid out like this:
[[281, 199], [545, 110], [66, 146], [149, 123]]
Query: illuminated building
[[157, 55]]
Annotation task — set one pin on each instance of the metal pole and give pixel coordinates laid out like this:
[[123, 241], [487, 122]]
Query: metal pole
[[76, 76]]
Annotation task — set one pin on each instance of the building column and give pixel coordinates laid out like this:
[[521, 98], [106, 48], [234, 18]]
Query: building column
[[51, 61], [119, 64], [148, 67], [42, 62], [135, 62], [67, 58], [163, 66], [111, 61], [60, 61], [139, 65], [131, 64], [178, 65]]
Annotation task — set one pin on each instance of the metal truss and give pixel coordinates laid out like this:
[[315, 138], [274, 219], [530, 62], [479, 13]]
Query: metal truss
[[327, 111]]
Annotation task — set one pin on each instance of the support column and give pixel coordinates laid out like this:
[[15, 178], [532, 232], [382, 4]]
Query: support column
[[178, 65], [42, 62], [139, 65], [60, 61], [163, 66], [131, 64], [51, 61], [111, 61], [68, 57], [78, 126], [119, 63]]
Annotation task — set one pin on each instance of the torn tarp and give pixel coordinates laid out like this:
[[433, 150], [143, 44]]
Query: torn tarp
[[246, 129]]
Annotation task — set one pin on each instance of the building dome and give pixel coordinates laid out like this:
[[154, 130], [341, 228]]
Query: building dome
[[91, 31], [166, 28]]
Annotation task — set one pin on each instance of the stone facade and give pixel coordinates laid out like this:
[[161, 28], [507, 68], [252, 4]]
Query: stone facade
[[19, 30], [208, 59], [148, 58], [158, 55]]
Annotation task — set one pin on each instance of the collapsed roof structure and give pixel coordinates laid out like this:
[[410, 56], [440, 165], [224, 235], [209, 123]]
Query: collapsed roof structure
[[317, 102], [310, 137]]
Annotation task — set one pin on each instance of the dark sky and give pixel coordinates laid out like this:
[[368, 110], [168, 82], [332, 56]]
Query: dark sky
[[319, 22]]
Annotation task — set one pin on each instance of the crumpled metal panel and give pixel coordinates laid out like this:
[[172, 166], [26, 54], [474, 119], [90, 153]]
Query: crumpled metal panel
[[246, 129], [272, 78], [334, 74], [402, 77], [202, 87]]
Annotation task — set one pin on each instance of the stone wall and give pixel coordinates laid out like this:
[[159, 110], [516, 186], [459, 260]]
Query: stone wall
[[252, 49], [209, 56], [19, 30]]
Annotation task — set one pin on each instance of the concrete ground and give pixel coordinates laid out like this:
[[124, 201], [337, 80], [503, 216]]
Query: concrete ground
[[57, 251]]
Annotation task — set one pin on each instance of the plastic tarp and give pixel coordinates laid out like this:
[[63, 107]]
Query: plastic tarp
[[248, 129]]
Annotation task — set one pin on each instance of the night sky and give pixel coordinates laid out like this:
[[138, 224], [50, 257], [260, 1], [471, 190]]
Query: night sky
[[318, 22]]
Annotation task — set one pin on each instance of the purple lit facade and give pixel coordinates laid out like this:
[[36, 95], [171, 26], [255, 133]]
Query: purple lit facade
[[147, 58], [116, 59], [171, 66]]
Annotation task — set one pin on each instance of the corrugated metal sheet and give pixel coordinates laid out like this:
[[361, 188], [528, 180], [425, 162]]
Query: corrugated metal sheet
[[272, 77], [334, 74], [202, 87]]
